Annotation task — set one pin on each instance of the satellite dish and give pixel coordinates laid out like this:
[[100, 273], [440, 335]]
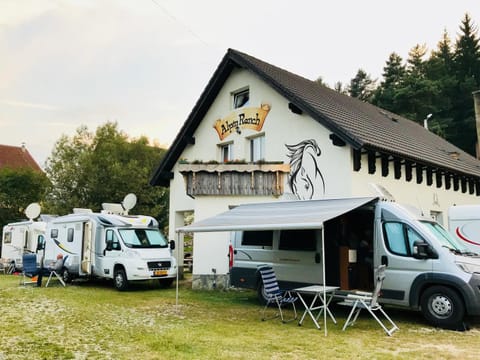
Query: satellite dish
[[129, 201], [32, 211]]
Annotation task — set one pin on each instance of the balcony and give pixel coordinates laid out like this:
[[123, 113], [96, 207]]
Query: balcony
[[234, 179]]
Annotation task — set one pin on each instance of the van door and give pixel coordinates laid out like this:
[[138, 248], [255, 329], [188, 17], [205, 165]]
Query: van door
[[112, 250], [298, 256], [86, 257], [394, 248]]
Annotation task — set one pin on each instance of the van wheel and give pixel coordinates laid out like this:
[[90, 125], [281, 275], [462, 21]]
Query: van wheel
[[262, 297], [165, 283], [120, 279], [443, 307], [66, 276]]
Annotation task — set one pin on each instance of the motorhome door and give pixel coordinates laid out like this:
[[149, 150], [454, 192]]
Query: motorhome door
[[86, 261]]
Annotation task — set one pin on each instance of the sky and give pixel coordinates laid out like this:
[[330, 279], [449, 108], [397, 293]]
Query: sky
[[144, 63]]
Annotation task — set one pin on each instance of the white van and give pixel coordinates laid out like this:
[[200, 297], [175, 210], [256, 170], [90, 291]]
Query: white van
[[111, 245], [464, 224], [19, 238], [23, 237], [426, 268]]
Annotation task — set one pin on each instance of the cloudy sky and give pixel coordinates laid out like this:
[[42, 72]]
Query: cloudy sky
[[144, 63]]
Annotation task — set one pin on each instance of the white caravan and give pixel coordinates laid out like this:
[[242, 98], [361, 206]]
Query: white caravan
[[340, 242], [23, 236], [111, 245], [464, 224]]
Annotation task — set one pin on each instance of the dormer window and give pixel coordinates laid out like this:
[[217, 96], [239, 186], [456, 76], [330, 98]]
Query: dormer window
[[241, 98]]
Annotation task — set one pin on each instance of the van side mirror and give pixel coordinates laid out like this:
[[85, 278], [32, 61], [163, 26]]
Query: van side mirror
[[109, 244], [172, 244], [422, 250]]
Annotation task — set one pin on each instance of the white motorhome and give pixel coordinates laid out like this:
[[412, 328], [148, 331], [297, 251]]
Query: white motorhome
[[464, 224], [23, 236], [340, 241], [111, 245]]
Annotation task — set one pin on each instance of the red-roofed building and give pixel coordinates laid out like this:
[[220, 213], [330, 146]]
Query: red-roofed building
[[16, 157]]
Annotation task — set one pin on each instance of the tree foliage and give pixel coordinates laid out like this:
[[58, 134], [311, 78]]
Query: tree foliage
[[19, 188], [440, 84], [361, 86], [89, 169]]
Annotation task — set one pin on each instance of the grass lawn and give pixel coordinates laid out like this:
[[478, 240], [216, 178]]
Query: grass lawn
[[91, 320]]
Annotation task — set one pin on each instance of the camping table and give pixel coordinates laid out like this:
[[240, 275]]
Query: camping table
[[317, 291]]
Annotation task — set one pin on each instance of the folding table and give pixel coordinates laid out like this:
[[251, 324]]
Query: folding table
[[317, 303]]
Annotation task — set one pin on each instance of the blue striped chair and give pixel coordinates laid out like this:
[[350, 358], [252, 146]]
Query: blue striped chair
[[274, 295]]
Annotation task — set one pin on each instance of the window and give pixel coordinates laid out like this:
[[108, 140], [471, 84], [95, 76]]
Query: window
[[143, 238], [298, 240], [7, 238], [54, 233], [258, 238], [226, 152], [241, 98], [400, 238], [257, 148], [111, 236], [70, 235]]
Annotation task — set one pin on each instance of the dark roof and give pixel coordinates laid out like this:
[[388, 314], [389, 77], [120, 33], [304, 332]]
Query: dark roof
[[358, 123], [17, 157]]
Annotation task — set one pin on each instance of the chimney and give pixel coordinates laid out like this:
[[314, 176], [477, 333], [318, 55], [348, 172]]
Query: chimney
[[476, 102]]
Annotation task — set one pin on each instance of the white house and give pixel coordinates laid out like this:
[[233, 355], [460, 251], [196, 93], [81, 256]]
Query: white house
[[260, 133]]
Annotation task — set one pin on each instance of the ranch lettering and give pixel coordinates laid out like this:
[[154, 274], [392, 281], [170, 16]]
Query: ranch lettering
[[247, 121]]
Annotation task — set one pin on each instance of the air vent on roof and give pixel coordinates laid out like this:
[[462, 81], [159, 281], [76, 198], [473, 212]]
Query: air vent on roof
[[388, 116], [455, 155]]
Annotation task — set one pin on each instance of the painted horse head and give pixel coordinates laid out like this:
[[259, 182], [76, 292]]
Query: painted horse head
[[305, 180]]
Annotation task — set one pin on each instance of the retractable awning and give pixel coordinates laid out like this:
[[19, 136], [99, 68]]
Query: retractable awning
[[278, 215], [306, 214]]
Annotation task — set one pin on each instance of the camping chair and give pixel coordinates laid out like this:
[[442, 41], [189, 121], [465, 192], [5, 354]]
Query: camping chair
[[30, 269], [369, 301], [274, 295], [53, 273]]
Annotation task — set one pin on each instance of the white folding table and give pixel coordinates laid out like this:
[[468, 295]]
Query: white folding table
[[317, 303]]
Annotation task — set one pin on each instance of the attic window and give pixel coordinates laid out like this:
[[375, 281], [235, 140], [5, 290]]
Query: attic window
[[241, 98]]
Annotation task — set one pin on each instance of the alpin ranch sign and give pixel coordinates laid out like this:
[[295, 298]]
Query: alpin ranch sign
[[249, 118]]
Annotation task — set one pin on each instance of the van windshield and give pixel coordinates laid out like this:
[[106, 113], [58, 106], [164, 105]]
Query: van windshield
[[445, 239], [143, 238]]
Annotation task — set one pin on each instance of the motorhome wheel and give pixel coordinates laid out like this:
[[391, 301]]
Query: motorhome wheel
[[120, 279], [442, 306], [165, 283], [262, 296], [67, 277]]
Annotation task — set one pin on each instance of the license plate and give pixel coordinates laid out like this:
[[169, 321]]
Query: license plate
[[160, 272]]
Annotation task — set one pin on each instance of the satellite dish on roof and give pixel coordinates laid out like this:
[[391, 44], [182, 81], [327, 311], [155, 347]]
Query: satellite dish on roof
[[32, 211], [129, 201]]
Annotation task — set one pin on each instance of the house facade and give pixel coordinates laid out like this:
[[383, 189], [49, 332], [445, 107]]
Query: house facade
[[260, 133]]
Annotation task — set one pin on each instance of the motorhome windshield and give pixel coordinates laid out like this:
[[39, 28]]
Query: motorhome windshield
[[143, 238], [444, 237]]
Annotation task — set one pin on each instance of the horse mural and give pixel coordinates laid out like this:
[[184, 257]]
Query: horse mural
[[306, 180]]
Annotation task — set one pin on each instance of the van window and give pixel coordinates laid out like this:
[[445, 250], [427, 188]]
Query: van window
[[111, 236], [7, 238], [257, 238], [299, 240], [400, 237], [70, 234]]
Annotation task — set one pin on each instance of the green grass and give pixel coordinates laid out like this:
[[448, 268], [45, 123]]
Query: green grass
[[91, 320]]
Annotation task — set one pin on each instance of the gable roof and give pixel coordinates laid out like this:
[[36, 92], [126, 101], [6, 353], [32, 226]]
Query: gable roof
[[17, 157], [358, 123]]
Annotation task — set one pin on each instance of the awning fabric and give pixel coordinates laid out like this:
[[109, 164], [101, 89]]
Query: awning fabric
[[306, 214]]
